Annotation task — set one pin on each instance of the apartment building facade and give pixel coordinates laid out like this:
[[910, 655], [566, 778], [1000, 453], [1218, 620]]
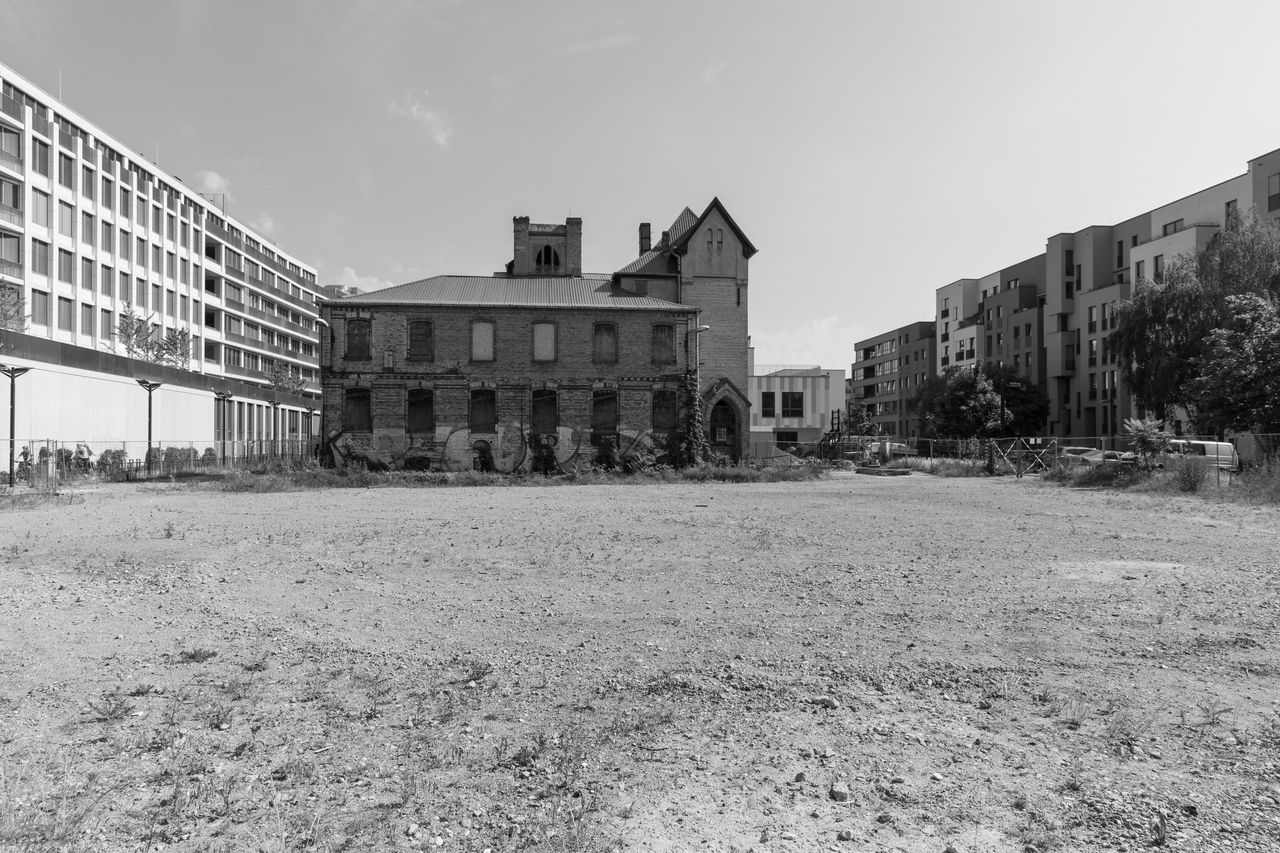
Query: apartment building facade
[[888, 373], [90, 233], [454, 372]]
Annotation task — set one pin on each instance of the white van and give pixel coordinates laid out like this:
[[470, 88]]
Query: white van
[[1221, 454]]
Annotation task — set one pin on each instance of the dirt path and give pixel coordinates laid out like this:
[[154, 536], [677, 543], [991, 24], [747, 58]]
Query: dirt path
[[903, 662]]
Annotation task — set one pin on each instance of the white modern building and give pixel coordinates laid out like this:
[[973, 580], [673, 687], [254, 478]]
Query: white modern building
[[791, 404], [91, 232]]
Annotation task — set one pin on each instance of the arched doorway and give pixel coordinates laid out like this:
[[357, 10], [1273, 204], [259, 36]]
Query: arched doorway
[[722, 430]]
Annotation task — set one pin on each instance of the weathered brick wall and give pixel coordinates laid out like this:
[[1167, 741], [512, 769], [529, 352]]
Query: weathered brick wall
[[513, 374]]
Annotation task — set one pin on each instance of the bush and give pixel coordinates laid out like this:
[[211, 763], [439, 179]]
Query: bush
[[943, 467], [1190, 473], [209, 457], [606, 453]]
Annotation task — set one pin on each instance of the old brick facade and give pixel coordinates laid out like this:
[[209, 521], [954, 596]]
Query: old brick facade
[[454, 371]]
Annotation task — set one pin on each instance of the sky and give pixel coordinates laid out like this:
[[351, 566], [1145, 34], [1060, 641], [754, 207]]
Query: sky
[[872, 152]]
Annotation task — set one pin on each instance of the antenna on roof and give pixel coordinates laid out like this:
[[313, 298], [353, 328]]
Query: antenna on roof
[[59, 82]]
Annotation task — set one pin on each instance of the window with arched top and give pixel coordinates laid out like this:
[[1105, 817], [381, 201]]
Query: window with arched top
[[546, 261]]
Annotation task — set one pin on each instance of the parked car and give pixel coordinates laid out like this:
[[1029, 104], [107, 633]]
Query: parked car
[[1078, 457], [1221, 454], [897, 450]]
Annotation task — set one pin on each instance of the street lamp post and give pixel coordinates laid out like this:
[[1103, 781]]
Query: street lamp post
[[275, 427], [151, 387], [13, 373], [223, 397]]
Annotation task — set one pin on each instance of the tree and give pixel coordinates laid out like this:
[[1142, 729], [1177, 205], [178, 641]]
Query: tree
[[13, 310], [1164, 333], [142, 342], [962, 403], [285, 378], [1026, 402], [858, 421], [1239, 379]]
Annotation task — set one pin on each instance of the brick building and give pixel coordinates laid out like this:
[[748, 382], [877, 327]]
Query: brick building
[[452, 370], [888, 374]]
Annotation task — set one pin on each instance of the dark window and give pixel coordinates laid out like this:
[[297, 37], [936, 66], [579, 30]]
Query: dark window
[[1157, 268], [1273, 192], [545, 419], [664, 344], [420, 417], [604, 414], [40, 307], [793, 404], [484, 411], [66, 266], [1232, 210], [768, 400], [664, 411], [547, 261], [358, 344], [357, 410], [66, 315], [421, 342], [605, 343]]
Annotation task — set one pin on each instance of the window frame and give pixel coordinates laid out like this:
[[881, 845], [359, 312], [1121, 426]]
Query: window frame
[[354, 418], [768, 404], [420, 399], [492, 326], [601, 333], [423, 353], [792, 404], [554, 343], [475, 424], [351, 351], [662, 352]]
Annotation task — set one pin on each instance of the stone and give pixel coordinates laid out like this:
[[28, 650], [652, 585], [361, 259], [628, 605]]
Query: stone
[[800, 777], [844, 835], [825, 702], [897, 780], [839, 792], [884, 817]]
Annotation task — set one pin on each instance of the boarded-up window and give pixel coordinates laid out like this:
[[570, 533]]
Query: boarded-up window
[[544, 341], [420, 417], [604, 413], [605, 343], [357, 410], [545, 418], [482, 341], [421, 341], [664, 411], [359, 332], [664, 344], [484, 411]]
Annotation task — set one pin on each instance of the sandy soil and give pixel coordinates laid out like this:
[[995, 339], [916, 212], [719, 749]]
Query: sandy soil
[[857, 664]]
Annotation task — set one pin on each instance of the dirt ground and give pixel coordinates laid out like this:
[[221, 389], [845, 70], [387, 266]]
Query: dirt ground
[[855, 664]]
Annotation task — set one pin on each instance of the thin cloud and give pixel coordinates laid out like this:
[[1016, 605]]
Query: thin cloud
[[264, 224], [212, 183], [348, 277], [823, 341], [609, 42], [435, 122], [712, 70]]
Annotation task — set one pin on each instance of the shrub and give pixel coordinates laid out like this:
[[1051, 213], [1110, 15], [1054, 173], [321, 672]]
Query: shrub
[[543, 454], [606, 453], [1189, 472], [1149, 439], [209, 457]]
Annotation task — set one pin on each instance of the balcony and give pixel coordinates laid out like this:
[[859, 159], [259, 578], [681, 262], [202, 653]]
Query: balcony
[[1069, 363], [11, 269], [1093, 361], [1093, 327], [11, 215], [66, 140], [944, 361], [12, 109], [42, 127], [944, 313], [945, 337], [9, 161], [1093, 393]]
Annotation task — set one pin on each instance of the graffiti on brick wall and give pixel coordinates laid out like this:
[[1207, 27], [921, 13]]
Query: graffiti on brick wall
[[457, 448]]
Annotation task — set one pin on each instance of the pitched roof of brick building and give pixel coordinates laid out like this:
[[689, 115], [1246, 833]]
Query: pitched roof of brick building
[[595, 291]]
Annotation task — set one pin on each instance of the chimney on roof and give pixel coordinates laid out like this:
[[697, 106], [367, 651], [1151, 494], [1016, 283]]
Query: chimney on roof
[[666, 240], [520, 261], [573, 245], [644, 237]]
